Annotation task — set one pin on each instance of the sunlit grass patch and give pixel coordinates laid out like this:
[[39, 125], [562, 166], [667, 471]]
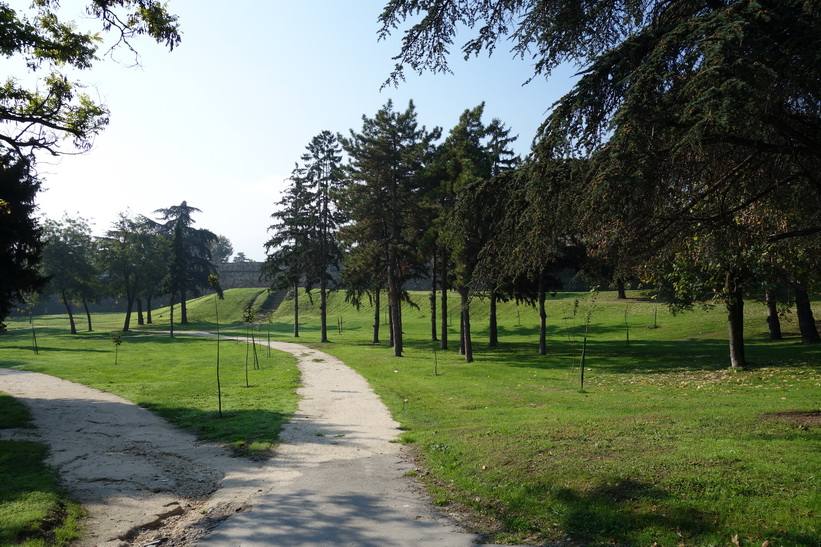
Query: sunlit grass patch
[[33, 509]]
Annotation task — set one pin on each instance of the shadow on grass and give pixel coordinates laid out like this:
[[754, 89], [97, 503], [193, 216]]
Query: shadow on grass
[[616, 356], [240, 428], [616, 513], [45, 349]]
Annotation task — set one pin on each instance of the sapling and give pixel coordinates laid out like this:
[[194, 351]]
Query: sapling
[[117, 340], [33, 337], [435, 360], [592, 304], [213, 280], [270, 321], [626, 324], [248, 318]]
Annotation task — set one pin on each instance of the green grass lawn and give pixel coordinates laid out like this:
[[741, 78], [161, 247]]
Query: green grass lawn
[[663, 445], [33, 510]]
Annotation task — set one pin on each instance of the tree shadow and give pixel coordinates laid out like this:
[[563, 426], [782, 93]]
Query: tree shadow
[[614, 513]]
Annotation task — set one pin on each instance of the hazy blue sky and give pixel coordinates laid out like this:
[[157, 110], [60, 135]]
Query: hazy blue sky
[[221, 121]]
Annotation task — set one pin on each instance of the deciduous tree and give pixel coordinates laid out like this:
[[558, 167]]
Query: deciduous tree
[[69, 262]]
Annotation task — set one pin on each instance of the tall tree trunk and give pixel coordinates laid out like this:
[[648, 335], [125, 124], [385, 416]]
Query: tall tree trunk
[[433, 333], [461, 329], [183, 308], [494, 328], [542, 316], [390, 325], [296, 310], [464, 293], [88, 314], [773, 321], [622, 294], [128, 307], [323, 311], [148, 310], [68, 311], [140, 319], [443, 344], [394, 300], [806, 320], [734, 302], [376, 318], [171, 330]]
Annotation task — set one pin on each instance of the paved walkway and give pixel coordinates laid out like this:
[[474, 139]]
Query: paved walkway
[[337, 479]]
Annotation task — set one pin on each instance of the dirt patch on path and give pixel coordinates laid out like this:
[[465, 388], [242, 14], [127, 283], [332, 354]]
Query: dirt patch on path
[[127, 466], [337, 478]]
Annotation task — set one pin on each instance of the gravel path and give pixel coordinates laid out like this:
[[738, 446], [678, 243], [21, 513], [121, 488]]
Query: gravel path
[[337, 479]]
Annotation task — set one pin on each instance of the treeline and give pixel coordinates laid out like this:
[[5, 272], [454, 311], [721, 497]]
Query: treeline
[[687, 155], [464, 213], [137, 260]]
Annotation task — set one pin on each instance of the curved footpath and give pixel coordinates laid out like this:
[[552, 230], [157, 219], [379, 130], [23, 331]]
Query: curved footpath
[[337, 479]]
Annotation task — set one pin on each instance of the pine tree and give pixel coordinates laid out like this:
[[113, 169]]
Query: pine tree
[[387, 158]]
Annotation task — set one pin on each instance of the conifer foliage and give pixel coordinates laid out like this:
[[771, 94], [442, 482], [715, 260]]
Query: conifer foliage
[[303, 248], [383, 203]]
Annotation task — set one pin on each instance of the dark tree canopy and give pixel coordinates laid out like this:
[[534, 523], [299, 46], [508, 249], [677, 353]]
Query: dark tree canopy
[[20, 241], [699, 123], [383, 202]]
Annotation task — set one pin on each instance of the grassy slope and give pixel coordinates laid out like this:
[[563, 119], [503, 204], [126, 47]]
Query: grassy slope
[[663, 445]]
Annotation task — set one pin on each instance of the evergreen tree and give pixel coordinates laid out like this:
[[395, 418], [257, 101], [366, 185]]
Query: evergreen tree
[[700, 121], [288, 252], [387, 159], [304, 246], [190, 250], [20, 243]]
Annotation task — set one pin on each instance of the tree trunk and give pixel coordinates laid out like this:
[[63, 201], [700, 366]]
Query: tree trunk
[[433, 333], [461, 330], [494, 328], [88, 314], [542, 316], [140, 319], [323, 313], [773, 322], [806, 320], [183, 308], [171, 331], [443, 344], [467, 342], [622, 294], [128, 307], [68, 311], [390, 326], [376, 311], [296, 310], [734, 302], [394, 300], [148, 310]]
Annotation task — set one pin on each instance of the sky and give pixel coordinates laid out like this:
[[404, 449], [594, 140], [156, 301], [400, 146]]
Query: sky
[[222, 120]]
